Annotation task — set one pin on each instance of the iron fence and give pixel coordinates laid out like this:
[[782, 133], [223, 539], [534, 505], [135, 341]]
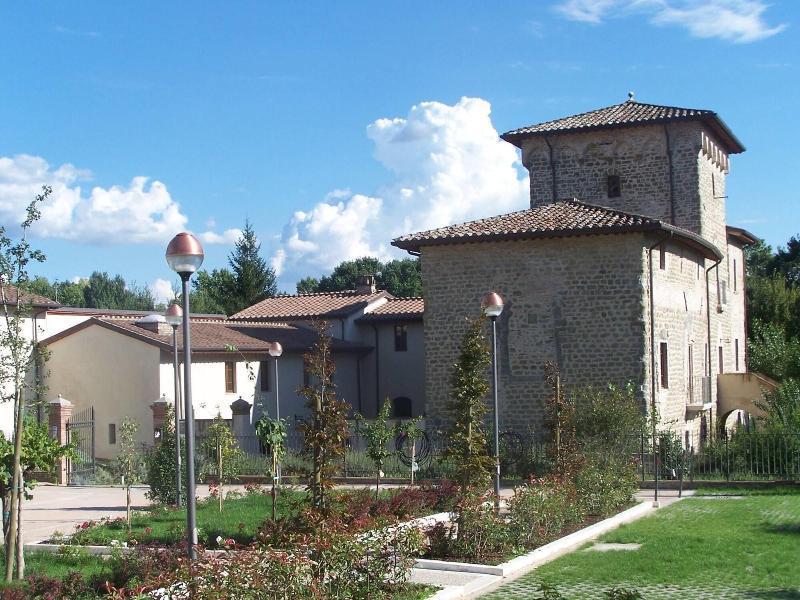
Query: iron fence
[[80, 432]]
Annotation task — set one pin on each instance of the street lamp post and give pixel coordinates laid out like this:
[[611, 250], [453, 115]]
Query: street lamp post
[[275, 351], [492, 305], [184, 256], [174, 317]]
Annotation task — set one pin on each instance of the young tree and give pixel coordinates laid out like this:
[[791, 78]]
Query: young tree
[[221, 445], [378, 434], [272, 434], [469, 391], [160, 464], [17, 359], [412, 433], [325, 436], [128, 461]]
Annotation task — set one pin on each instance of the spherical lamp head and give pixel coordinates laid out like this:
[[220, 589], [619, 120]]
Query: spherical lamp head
[[275, 349], [492, 305], [174, 315], [184, 254]]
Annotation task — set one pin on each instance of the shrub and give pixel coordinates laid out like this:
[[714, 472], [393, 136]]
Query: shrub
[[160, 463], [540, 510], [603, 488]]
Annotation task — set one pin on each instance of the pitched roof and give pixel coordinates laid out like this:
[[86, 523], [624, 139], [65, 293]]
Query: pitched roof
[[212, 337], [565, 218], [35, 300], [397, 309], [742, 235], [626, 114], [123, 313], [309, 306]]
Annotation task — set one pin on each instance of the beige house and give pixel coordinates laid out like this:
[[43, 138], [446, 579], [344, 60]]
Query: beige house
[[121, 365], [622, 270]]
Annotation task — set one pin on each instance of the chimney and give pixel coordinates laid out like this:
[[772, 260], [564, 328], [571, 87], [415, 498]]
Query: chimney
[[365, 284], [155, 324]]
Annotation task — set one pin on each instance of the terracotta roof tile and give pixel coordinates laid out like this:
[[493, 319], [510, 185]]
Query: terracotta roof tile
[[397, 309], [626, 114], [218, 336], [308, 306], [35, 300], [564, 218]]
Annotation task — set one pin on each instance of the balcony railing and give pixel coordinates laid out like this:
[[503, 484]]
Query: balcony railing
[[699, 393]]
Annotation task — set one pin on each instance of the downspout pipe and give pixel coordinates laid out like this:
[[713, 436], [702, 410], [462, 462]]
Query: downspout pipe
[[709, 370], [651, 280]]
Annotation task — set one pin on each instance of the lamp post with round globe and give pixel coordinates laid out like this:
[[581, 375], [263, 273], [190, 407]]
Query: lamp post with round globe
[[184, 256], [174, 317], [275, 351], [492, 305]]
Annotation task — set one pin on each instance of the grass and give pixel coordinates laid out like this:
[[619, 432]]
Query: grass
[[700, 547], [59, 565], [239, 520]]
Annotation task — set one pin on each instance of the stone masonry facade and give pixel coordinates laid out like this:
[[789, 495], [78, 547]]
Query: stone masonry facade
[[584, 302]]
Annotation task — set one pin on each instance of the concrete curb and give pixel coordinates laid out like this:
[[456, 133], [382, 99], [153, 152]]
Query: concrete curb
[[522, 565]]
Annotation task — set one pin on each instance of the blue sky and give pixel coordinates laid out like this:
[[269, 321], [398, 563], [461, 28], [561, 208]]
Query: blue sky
[[334, 126]]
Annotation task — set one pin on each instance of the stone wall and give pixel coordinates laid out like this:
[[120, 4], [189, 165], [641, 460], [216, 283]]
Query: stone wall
[[575, 301], [665, 172]]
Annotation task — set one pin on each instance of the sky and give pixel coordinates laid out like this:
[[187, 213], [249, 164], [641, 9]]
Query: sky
[[336, 126]]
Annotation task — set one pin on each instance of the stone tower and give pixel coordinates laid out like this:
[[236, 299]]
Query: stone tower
[[664, 162]]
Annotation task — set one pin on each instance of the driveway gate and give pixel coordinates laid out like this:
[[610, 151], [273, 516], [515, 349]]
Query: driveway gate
[[80, 432]]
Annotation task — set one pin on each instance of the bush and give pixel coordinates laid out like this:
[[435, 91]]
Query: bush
[[540, 510], [604, 488]]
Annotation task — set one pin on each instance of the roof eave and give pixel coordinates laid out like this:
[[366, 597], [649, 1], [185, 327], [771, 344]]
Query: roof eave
[[742, 235], [729, 140], [705, 247]]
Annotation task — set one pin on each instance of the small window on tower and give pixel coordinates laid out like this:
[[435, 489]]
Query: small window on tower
[[614, 186]]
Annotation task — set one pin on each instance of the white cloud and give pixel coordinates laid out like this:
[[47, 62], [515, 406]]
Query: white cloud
[[227, 237], [449, 165], [162, 291], [140, 212], [739, 21]]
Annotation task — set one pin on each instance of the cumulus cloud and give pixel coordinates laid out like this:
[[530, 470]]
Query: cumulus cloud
[[448, 165], [739, 21], [142, 211], [228, 237], [162, 291]]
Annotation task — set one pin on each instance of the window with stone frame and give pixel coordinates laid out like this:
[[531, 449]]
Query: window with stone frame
[[230, 377], [614, 186], [664, 364]]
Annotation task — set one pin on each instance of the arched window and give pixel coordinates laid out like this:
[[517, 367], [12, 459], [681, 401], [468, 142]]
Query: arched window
[[401, 408]]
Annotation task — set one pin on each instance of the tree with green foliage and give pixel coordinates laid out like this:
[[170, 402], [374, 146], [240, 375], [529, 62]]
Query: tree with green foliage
[[221, 447], [254, 279], [66, 293], [104, 291], [469, 391], [308, 285], [772, 352], [324, 436], [40, 453], [160, 464], [272, 435], [248, 280], [378, 434], [19, 360], [411, 434], [128, 461], [782, 408], [401, 278]]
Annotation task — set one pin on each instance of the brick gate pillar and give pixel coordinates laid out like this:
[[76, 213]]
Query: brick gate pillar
[[58, 417], [159, 408]]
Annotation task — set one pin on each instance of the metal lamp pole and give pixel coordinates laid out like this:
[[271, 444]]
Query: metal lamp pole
[[174, 316], [492, 307], [275, 350], [185, 255]]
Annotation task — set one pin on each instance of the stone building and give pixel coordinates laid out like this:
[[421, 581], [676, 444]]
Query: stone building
[[621, 271]]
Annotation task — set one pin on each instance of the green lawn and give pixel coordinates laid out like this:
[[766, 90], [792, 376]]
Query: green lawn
[[702, 547], [239, 520]]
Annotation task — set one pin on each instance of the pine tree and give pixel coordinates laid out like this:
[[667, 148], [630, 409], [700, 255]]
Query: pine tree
[[254, 279]]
